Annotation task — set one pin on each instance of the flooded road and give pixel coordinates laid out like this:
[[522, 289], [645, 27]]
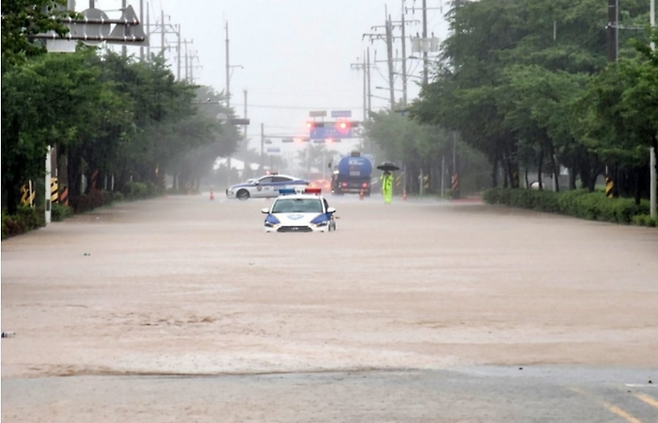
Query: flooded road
[[182, 309]]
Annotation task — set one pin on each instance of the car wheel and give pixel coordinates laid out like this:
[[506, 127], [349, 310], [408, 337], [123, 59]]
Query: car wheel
[[243, 194]]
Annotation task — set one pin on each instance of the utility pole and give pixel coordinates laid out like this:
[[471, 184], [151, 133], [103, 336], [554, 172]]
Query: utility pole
[[368, 83], [162, 33], [404, 60], [426, 44], [159, 27], [389, 51], [653, 172], [390, 38], [178, 53], [194, 55], [365, 89], [425, 78], [611, 31], [148, 31], [365, 67], [228, 72], [124, 49], [362, 66], [141, 19], [186, 58]]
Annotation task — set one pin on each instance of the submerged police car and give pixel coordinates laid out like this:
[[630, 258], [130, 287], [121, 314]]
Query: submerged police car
[[267, 186], [300, 210]]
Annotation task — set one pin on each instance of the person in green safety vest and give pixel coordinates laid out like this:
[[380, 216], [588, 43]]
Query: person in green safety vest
[[387, 187]]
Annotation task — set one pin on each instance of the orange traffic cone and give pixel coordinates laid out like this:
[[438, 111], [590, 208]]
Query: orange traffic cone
[[404, 195], [212, 195]]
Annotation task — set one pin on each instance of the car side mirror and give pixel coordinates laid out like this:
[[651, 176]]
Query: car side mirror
[[266, 210], [331, 210]]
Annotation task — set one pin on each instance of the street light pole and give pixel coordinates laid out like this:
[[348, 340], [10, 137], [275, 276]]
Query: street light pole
[[652, 150]]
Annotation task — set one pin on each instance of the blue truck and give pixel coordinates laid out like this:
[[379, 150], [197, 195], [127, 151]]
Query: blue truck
[[351, 175]]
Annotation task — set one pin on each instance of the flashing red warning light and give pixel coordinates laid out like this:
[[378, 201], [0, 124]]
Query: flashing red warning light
[[343, 125], [317, 191]]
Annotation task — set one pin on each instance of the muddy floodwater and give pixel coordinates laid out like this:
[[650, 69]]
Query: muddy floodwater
[[181, 309]]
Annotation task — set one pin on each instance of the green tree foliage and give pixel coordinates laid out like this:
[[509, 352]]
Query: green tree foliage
[[214, 134], [51, 99], [526, 82], [109, 116]]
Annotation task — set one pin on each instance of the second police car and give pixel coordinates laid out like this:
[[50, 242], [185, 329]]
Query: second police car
[[267, 186], [300, 210]]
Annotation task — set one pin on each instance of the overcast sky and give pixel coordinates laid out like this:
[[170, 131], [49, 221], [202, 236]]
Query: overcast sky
[[295, 55]]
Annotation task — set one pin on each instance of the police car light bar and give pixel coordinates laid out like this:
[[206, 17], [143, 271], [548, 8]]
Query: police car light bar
[[287, 191], [313, 191]]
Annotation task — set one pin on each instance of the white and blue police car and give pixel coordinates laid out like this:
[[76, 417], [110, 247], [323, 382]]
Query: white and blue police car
[[266, 186], [300, 210]]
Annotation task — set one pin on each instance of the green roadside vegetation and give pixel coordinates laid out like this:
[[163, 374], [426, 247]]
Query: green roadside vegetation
[[116, 126], [522, 91], [579, 203]]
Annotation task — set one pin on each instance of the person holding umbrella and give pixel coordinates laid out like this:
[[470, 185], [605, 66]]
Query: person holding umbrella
[[387, 180]]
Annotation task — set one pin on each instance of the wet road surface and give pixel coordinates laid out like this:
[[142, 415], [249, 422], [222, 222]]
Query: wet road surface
[[181, 309]]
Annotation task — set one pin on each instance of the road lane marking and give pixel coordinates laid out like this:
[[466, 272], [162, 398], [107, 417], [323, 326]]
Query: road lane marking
[[621, 413], [610, 407], [649, 400]]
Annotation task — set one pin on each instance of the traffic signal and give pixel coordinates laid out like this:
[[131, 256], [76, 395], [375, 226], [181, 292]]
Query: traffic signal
[[344, 125], [313, 124]]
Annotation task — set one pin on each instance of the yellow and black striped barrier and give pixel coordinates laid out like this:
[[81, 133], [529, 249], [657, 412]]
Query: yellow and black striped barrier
[[426, 181], [609, 187], [28, 194], [54, 190]]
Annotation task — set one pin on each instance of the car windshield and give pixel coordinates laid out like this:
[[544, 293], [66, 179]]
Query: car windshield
[[297, 205]]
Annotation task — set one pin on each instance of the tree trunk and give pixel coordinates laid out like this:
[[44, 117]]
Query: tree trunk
[[494, 172], [540, 168], [556, 169], [11, 187], [638, 186], [73, 175], [572, 178]]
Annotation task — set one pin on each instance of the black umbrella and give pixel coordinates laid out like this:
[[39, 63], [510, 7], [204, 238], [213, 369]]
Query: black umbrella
[[388, 166]]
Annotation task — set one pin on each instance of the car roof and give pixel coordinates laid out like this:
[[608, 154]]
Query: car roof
[[300, 196], [271, 176]]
